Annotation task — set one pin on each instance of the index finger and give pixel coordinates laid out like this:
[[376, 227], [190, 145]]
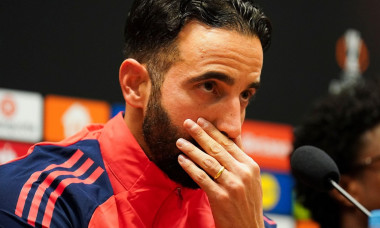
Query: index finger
[[211, 147], [227, 143]]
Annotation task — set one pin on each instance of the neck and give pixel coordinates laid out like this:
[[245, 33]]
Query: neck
[[353, 218], [134, 119]]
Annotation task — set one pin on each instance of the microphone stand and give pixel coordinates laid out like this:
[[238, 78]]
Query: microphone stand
[[350, 198]]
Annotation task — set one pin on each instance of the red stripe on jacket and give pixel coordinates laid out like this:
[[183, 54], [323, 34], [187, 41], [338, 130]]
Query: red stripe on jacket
[[47, 182], [60, 188], [34, 177]]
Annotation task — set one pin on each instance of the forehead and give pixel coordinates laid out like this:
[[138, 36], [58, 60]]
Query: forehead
[[371, 141], [202, 45]]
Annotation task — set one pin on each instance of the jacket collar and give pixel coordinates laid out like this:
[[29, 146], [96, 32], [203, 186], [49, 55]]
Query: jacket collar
[[127, 161]]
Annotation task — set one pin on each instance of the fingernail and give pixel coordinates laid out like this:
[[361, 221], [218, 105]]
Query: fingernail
[[201, 122], [181, 142], [181, 159], [189, 123]]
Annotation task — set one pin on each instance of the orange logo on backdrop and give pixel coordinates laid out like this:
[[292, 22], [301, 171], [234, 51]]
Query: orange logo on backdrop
[[64, 116], [269, 144]]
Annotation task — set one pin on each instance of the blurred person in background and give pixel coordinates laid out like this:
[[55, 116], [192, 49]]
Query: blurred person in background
[[347, 127]]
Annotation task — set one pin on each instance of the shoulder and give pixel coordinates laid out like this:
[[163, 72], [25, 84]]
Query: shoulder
[[268, 223], [55, 184]]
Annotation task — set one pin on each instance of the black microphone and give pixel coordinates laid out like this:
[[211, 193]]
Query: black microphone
[[318, 170]]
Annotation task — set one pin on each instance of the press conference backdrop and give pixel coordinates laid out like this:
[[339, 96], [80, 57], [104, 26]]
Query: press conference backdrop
[[64, 56], [74, 48]]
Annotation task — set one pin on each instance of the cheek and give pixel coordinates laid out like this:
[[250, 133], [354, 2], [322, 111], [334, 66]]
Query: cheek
[[176, 105], [181, 104], [243, 116], [180, 108], [376, 182], [371, 190], [180, 111]]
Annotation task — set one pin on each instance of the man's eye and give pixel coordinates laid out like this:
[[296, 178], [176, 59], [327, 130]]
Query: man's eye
[[209, 86], [246, 95]]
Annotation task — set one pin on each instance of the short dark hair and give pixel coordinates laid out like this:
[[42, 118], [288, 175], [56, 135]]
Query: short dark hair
[[153, 25], [336, 124]]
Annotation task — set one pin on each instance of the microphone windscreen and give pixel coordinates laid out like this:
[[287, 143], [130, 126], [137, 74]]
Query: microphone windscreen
[[314, 167]]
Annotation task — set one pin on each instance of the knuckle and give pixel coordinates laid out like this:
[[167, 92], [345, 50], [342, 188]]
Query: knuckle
[[249, 173], [201, 177], [215, 149], [209, 163], [246, 176], [227, 143], [222, 196], [246, 172], [236, 186], [255, 168]]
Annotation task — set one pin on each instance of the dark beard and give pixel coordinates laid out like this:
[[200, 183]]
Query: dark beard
[[161, 135]]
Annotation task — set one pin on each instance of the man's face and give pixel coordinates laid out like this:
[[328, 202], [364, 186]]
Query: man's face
[[370, 176], [217, 73]]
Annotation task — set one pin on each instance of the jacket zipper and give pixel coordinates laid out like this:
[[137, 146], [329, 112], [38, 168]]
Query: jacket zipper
[[180, 197], [178, 193]]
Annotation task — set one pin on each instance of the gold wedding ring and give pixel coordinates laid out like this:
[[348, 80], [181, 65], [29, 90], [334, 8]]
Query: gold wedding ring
[[219, 173]]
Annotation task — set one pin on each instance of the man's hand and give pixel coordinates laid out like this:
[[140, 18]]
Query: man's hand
[[236, 195]]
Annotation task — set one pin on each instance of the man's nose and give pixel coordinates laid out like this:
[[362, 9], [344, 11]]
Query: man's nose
[[229, 118]]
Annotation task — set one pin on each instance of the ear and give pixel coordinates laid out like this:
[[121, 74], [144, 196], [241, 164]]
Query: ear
[[352, 186], [135, 83]]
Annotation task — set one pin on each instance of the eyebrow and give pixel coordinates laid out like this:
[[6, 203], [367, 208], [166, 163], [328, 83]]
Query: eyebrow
[[213, 75], [254, 85], [222, 77]]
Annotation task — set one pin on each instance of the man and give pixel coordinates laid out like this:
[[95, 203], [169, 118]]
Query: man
[[347, 127], [191, 68]]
